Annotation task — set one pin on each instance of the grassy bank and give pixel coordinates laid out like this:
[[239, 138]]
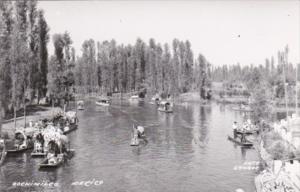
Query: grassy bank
[[34, 113]]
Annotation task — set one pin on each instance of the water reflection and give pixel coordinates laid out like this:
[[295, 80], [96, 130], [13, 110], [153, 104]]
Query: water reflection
[[186, 151]]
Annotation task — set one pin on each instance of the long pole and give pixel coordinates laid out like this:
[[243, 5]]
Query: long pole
[[297, 89], [25, 114], [1, 118]]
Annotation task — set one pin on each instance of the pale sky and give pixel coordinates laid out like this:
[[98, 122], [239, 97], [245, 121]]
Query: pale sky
[[225, 32]]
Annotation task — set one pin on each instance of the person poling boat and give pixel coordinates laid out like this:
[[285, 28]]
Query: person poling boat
[[235, 128], [138, 133]]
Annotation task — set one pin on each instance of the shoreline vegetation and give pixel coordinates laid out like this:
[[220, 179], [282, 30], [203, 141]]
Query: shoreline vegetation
[[29, 73], [35, 115]]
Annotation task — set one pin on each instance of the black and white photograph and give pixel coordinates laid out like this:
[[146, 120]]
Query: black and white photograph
[[149, 96]]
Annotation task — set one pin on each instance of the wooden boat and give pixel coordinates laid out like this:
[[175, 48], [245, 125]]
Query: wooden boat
[[103, 102], [69, 129], [18, 150], [80, 105], [24, 146], [52, 162], [247, 132], [237, 141], [134, 97], [165, 106], [38, 151], [243, 108], [71, 123], [55, 162], [38, 154]]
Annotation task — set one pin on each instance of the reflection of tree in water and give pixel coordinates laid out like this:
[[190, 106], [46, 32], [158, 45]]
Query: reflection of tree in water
[[243, 151], [204, 123], [222, 107], [183, 135]]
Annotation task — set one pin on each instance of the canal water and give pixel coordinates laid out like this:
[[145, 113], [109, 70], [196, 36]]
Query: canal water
[[185, 151]]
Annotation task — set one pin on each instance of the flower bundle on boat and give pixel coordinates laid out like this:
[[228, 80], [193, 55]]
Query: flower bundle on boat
[[57, 151], [39, 145], [21, 142], [71, 122], [67, 122], [55, 147]]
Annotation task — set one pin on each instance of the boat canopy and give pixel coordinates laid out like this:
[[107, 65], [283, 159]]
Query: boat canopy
[[165, 103], [71, 114], [80, 102], [20, 135], [103, 100], [134, 97]]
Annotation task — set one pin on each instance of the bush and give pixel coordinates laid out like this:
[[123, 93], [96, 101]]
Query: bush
[[297, 152], [278, 150]]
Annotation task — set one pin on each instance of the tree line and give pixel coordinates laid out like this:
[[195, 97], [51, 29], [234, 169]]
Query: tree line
[[108, 67], [24, 35], [269, 85]]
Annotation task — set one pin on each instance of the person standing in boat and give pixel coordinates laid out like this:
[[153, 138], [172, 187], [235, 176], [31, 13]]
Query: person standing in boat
[[235, 127], [243, 137], [135, 131]]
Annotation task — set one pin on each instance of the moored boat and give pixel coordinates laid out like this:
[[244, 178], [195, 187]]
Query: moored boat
[[80, 105], [38, 147], [21, 144], [243, 108], [55, 161], [134, 97], [70, 122], [103, 102], [247, 132], [238, 141], [165, 106], [57, 153]]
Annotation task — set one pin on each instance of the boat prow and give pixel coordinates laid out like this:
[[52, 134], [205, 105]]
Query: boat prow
[[18, 151], [70, 129]]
